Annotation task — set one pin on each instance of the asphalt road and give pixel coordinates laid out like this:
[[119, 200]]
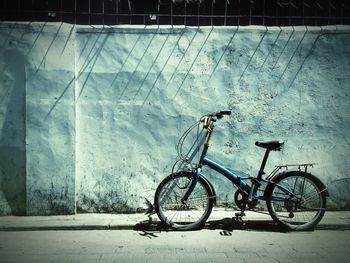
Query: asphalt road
[[197, 246]]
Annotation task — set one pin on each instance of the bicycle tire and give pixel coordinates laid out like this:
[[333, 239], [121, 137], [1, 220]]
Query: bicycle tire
[[178, 216], [301, 212]]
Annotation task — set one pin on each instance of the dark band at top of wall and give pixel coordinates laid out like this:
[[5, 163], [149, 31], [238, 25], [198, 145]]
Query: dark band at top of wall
[[180, 12]]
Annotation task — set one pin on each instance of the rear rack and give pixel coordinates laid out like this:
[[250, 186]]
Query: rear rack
[[286, 166]]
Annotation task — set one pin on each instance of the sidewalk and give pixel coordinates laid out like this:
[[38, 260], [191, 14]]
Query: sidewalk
[[331, 221]]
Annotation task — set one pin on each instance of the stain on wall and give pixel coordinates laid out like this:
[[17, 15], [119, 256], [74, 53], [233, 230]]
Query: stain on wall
[[37, 119], [12, 133]]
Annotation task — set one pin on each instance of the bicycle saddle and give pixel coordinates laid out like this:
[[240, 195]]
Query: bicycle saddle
[[271, 145]]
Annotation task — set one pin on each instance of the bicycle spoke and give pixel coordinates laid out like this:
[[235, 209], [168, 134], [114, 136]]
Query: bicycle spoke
[[313, 195]]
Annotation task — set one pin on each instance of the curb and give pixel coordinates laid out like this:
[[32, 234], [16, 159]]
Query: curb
[[219, 220], [66, 228]]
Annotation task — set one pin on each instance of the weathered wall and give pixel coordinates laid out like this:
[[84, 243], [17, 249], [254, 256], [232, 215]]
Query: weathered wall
[[104, 108]]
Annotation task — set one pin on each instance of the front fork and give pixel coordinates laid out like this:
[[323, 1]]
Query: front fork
[[194, 181], [200, 163]]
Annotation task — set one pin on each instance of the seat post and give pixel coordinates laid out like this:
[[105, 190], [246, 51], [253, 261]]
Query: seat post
[[262, 167]]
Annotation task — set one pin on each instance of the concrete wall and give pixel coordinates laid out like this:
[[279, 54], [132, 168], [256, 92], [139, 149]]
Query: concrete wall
[[90, 116]]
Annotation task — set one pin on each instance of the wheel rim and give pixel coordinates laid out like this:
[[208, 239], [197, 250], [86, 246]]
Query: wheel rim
[[300, 210], [177, 214]]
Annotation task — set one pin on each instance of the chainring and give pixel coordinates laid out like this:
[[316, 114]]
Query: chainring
[[241, 200]]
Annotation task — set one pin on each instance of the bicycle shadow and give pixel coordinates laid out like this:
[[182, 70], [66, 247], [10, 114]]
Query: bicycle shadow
[[227, 225], [230, 224]]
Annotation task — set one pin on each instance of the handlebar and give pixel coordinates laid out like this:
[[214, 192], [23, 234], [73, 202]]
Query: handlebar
[[218, 114], [224, 112], [210, 118]]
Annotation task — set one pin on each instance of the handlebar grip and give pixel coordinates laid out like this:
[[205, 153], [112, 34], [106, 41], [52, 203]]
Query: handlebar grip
[[225, 112]]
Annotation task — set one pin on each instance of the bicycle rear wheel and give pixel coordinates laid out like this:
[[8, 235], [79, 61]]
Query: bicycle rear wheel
[[170, 210], [297, 201]]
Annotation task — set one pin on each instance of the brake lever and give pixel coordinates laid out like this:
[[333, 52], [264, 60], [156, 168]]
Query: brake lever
[[206, 122]]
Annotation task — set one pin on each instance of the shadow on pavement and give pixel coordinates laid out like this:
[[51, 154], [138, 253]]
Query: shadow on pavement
[[149, 227], [240, 224]]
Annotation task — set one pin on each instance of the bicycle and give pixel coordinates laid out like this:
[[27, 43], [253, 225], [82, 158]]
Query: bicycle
[[296, 200]]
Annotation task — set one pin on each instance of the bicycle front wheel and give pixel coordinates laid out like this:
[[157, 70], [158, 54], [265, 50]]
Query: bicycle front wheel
[[297, 200], [171, 211]]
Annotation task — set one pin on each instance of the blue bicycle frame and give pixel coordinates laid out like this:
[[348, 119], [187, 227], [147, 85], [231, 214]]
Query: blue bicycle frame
[[237, 180], [204, 160]]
